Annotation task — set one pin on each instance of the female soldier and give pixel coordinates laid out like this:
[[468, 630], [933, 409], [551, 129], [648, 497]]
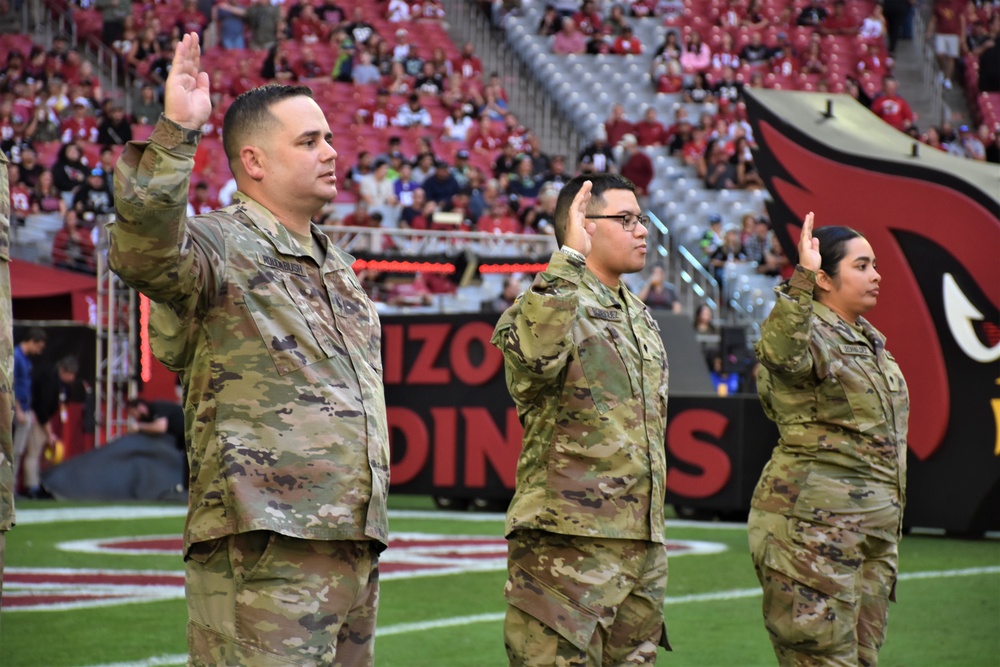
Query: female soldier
[[826, 515]]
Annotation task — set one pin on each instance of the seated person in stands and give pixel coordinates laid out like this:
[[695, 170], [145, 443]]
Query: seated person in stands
[[419, 213], [308, 67], [839, 22], [704, 321], [364, 71], [430, 81], [672, 79], [731, 250], [506, 162], [569, 40], [359, 170], [80, 126], [115, 129], [412, 114], [755, 52], [598, 155], [720, 173], [755, 239], [378, 114], [813, 60], [202, 201], [512, 288], [523, 182], [728, 87], [699, 91], [72, 247], [627, 43], [556, 175], [812, 15], [658, 294], [147, 109], [307, 27], [442, 185], [278, 64], [46, 198], [20, 195], [499, 219], [696, 56], [361, 216], [93, 198]]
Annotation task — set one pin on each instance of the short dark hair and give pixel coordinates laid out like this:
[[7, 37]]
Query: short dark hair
[[68, 365], [833, 246], [35, 335], [601, 184], [250, 115]]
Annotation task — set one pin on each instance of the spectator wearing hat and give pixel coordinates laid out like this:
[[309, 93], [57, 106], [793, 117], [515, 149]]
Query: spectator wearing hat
[[461, 169], [637, 167], [93, 198], [712, 239], [598, 156], [442, 184], [412, 114], [114, 129], [972, 146], [626, 43]]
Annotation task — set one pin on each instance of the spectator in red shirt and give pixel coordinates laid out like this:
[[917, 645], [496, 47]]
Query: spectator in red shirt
[[637, 167], [892, 108], [672, 79], [870, 60], [467, 64], [245, 78], [839, 22], [360, 216], [588, 19], [485, 140], [649, 131], [378, 114], [20, 194], [617, 126], [308, 67], [190, 19], [307, 28], [202, 201], [947, 27], [626, 43], [79, 126], [499, 219]]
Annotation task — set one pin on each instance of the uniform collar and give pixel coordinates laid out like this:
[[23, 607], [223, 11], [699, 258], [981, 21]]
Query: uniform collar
[[609, 298], [871, 336], [266, 222]]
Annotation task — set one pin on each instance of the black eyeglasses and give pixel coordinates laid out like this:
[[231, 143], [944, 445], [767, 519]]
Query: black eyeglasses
[[628, 221]]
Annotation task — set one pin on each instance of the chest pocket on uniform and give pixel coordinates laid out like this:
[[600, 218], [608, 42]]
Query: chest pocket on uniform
[[281, 311], [855, 383], [604, 368]]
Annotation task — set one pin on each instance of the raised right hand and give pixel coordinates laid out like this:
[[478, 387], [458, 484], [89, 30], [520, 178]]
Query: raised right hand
[[809, 256], [186, 98], [578, 228]]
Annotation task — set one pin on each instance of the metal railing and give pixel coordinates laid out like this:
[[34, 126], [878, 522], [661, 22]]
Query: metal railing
[[696, 284]]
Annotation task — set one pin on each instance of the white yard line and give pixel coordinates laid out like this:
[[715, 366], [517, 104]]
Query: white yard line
[[457, 621]]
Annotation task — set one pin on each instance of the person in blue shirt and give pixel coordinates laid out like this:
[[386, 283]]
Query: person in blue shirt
[[32, 345]]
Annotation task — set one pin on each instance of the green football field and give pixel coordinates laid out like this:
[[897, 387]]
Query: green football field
[[97, 584]]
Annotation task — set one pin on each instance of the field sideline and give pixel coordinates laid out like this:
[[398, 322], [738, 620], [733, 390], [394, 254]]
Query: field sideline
[[97, 585]]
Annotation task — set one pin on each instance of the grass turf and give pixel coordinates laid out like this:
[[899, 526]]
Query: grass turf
[[953, 620]]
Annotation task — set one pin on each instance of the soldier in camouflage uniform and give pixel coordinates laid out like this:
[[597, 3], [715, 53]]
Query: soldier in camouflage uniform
[[826, 515], [586, 367], [278, 350], [6, 370]]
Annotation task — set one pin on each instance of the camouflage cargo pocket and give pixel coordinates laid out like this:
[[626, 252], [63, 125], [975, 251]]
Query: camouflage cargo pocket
[[544, 603], [283, 322], [809, 599]]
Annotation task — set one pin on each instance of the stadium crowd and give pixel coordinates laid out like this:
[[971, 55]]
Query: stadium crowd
[[430, 141]]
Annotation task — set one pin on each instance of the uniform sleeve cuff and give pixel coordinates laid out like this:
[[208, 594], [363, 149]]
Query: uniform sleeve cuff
[[803, 279], [173, 137], [564, 265]]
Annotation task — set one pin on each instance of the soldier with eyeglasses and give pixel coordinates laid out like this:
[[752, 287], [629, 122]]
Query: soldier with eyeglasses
[[585, 365]]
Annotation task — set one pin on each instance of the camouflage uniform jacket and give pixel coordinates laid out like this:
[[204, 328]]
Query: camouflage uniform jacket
[[841, 407], [6, 359], [588, 373], [280, 358]]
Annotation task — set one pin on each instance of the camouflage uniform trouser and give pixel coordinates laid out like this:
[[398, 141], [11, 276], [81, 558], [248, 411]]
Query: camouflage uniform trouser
[[259, 599], [826, 590], [584, 601]]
